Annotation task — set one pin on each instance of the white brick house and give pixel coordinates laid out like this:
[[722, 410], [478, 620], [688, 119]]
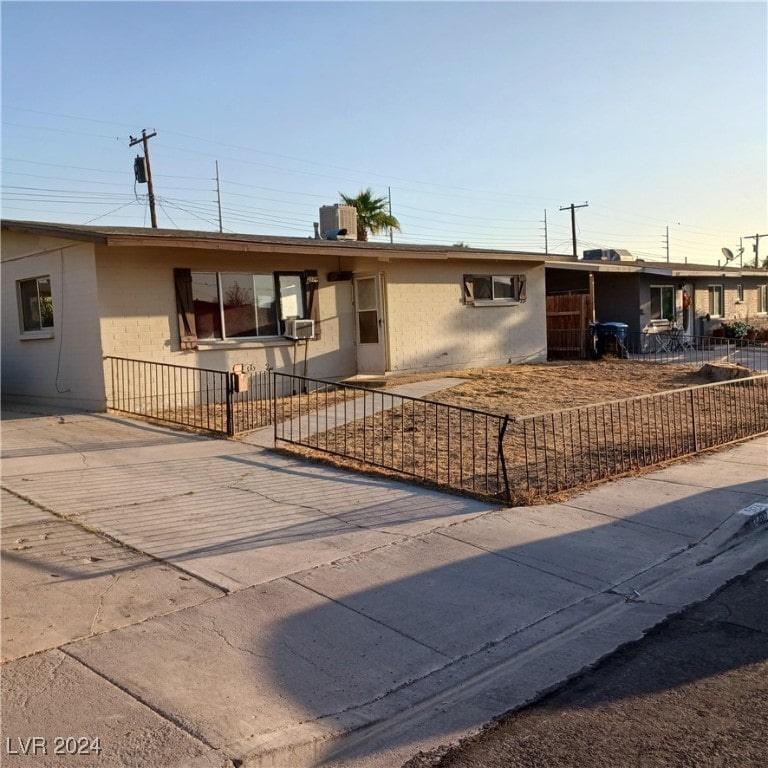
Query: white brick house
[[72, 295]]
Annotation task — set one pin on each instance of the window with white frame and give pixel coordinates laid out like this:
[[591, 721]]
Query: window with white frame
[[35, 304], [663, 302], [486, 290], [762, 298], [237, 305], [716, 305], [739, 292]]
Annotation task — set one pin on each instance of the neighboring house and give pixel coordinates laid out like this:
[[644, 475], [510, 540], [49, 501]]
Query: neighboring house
[[72, 295], [697, 297]]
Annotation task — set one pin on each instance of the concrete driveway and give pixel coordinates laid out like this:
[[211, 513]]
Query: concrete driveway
[[192, 601]]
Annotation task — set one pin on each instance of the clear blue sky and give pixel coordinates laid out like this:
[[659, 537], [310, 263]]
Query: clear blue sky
[[478, 116]]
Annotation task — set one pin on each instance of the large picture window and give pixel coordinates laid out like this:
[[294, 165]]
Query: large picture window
[[663, 302], [36, 304], [242, 305]]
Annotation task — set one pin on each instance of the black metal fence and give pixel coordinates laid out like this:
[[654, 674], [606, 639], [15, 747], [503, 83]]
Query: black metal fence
[[192, 397], [515, 460], [566, 449], [451, 446], [488, 455], [664, 346]]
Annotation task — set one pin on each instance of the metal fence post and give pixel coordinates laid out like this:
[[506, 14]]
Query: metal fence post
[[693, 422], [230, 385], [502, 459]]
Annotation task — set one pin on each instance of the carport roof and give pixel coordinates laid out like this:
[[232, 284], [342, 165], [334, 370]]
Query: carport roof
[[657, 269]]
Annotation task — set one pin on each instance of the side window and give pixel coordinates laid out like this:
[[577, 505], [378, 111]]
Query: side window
[[35, 304], [663, 302], [716, 308], [484, 290], [762, 298]]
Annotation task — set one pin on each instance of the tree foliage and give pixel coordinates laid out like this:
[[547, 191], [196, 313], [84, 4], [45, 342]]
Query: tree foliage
[[372, 213]]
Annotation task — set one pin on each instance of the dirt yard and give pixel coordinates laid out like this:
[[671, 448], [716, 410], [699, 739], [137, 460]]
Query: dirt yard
[[526, 390], [570, 424]]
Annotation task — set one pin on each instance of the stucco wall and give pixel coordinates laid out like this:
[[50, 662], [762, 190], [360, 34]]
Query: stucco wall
[[138, 312], [63, 366], [431, 327], [619, 298]]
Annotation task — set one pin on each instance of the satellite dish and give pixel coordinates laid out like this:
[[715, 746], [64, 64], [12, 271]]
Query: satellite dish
[[728, 253]]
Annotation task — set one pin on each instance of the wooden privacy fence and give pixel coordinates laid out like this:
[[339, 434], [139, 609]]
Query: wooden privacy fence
[[568, 317]]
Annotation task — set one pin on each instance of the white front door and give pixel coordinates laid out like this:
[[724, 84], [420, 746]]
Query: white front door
[[370, 331]]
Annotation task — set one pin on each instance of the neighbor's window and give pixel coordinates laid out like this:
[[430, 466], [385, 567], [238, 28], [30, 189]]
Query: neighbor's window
[[487, 289], [232, 305], [716, 306], [762, 298], [663, 302], [739, 292], [36, 304]]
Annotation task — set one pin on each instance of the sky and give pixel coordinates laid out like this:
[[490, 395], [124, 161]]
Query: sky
[[480, 121]]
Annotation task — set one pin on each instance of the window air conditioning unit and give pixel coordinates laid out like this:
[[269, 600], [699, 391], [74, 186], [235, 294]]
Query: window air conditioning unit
[[299, 329]]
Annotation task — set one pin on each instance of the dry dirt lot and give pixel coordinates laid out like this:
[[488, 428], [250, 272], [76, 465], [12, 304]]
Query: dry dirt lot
[[532, 456], [525, 390]]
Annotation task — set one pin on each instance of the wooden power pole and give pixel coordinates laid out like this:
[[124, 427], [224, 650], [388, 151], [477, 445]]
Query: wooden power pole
[[756, 246], [150, 189], [573, 208]]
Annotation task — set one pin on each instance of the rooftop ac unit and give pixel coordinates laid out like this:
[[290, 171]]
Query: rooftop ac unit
[[300, 329], [335, 218]]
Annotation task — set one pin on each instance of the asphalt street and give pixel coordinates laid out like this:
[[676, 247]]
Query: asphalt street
[[693, 692]]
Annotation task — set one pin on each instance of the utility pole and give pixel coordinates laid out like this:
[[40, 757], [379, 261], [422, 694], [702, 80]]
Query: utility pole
[[391, 231], [218, 197], [546, 244], [150, 189], [667, 243], [573, 208], [756, 246]]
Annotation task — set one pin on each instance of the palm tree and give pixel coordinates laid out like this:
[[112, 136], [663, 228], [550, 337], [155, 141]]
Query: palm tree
[[372, 213]]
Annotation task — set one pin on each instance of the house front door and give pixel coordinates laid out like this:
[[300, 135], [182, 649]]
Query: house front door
[[689, 311], [370, 333]]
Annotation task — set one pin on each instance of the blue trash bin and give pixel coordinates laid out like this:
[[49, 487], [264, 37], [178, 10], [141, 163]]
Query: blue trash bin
[[610, 338]]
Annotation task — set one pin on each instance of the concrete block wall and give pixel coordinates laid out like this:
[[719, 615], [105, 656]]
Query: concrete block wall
[[746, 310], [63, 366], [431, 327], [138, 313]]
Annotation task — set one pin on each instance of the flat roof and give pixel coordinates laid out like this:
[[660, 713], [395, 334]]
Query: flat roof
[[179, 238], [660, 269]]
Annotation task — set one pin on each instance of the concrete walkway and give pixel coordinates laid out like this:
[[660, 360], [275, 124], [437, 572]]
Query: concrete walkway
[[195, 602]]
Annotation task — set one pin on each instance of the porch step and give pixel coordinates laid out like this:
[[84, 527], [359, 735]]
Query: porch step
[[366, 380]]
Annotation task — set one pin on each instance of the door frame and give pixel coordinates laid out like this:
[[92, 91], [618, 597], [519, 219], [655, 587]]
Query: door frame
[[371, 358]]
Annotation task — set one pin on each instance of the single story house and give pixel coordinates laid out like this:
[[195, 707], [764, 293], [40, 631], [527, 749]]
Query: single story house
[[73, 295], [697, 297]]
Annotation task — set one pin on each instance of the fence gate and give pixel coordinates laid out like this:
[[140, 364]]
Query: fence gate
[[568, 317]]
